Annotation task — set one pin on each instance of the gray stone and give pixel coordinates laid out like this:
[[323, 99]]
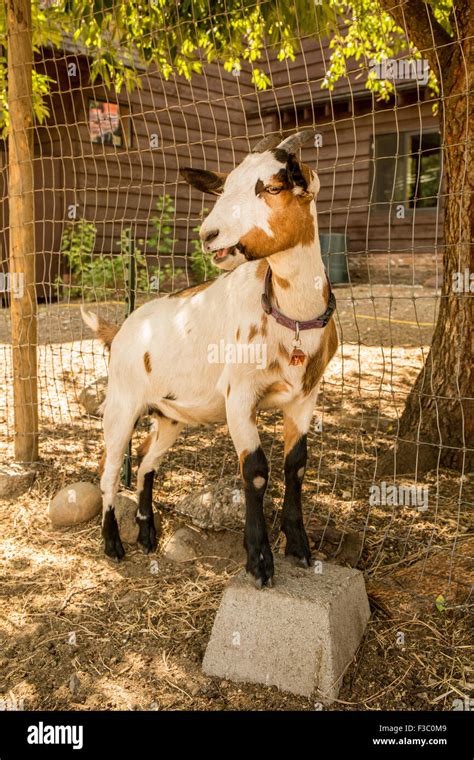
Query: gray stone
[[75, 504], [74, 684], [93, 395], [125, 506], [220, 506], [15, 479], [181, 547], [299, 636]]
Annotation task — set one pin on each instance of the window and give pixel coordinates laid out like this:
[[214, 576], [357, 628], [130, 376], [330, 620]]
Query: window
[[406, 169], [107, 125]]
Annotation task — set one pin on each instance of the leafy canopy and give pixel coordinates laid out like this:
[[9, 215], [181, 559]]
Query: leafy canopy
[[122, 37]]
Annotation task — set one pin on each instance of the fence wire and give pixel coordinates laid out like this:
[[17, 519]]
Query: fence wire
[[107, 192]]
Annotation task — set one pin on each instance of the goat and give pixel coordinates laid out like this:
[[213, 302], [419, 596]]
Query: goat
[[160, 358]]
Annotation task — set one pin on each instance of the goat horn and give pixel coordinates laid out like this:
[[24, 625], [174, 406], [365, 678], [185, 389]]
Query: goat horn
[[294, 142], [267, 143]]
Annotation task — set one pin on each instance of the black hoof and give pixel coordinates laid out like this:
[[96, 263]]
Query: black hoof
[[260, 565], [110, 532], [297, 545], [147, 535], [114, 548]]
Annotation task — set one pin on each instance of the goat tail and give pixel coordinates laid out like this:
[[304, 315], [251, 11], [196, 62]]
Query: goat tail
[[104, 331]]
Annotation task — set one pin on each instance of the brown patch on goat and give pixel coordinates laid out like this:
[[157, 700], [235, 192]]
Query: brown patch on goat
[[318, 362], [279, 386], [253, 331], [147, 361], [314, 371], [326, 292], [291, 433], [102, 462], [237, 334], [281, 282], [274, 366], [290, 221], [191, 291], [144, 447], [261, 270], [106, 331], [228, 391], [243, 456], [264, 324]]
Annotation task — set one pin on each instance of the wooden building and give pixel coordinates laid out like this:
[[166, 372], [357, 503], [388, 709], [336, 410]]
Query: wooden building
[[379, 162], [108, 157]]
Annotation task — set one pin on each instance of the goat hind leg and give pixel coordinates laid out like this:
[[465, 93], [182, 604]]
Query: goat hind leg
[[118, 429], [153, 448]]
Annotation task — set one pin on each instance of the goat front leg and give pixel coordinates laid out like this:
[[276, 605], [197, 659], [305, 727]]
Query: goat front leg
[[254, 471], [297, 418]]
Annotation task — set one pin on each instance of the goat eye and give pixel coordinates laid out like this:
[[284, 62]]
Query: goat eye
[[273, 189]]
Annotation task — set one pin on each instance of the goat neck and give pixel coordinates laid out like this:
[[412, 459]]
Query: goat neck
[[299, 278]]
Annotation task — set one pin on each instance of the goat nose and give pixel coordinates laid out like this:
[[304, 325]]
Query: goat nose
[[210, 236]]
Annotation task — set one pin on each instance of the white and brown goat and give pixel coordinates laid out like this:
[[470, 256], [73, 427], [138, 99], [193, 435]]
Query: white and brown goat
[[160, 357]]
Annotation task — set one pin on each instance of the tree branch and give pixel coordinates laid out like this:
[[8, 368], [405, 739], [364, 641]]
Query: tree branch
[[417, 19]]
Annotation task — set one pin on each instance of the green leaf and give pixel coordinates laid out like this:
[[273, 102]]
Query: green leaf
[[440, 602]]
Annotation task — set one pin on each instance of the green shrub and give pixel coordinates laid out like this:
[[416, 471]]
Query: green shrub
[[201, 265], [162, 240], [96, 276]]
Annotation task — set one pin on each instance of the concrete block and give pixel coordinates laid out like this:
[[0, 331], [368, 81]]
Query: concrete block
[[15, 479], [299, 635]]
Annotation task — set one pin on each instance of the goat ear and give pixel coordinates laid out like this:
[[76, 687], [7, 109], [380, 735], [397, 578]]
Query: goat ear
[[206, 182], [296, 174]]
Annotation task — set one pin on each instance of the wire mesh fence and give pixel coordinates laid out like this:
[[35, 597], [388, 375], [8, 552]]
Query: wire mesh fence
[[116, 226]]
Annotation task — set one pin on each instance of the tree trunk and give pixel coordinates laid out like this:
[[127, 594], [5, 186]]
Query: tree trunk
[[22, 232], [436, 428]]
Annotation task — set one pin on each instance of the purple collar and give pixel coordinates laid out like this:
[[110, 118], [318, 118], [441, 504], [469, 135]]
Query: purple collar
[[293, 324]]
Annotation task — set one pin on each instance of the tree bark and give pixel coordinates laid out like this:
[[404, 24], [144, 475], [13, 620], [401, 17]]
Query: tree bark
[[436, 428], [22, 232]]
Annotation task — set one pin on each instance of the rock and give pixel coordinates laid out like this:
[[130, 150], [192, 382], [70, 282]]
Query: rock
[[93, 395], [74, 684], [300, 635], [217, 507], [15, 479], [75, 504], [181, 547], [125, 506]]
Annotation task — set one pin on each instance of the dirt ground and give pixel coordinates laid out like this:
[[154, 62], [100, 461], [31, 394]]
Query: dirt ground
[[79, 632]]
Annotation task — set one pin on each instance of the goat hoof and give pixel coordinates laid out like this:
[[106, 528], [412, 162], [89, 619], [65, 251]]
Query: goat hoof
[[304, 562], [260, 565], [297, 546], [300, 560], [114, 549], [147, 538]]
